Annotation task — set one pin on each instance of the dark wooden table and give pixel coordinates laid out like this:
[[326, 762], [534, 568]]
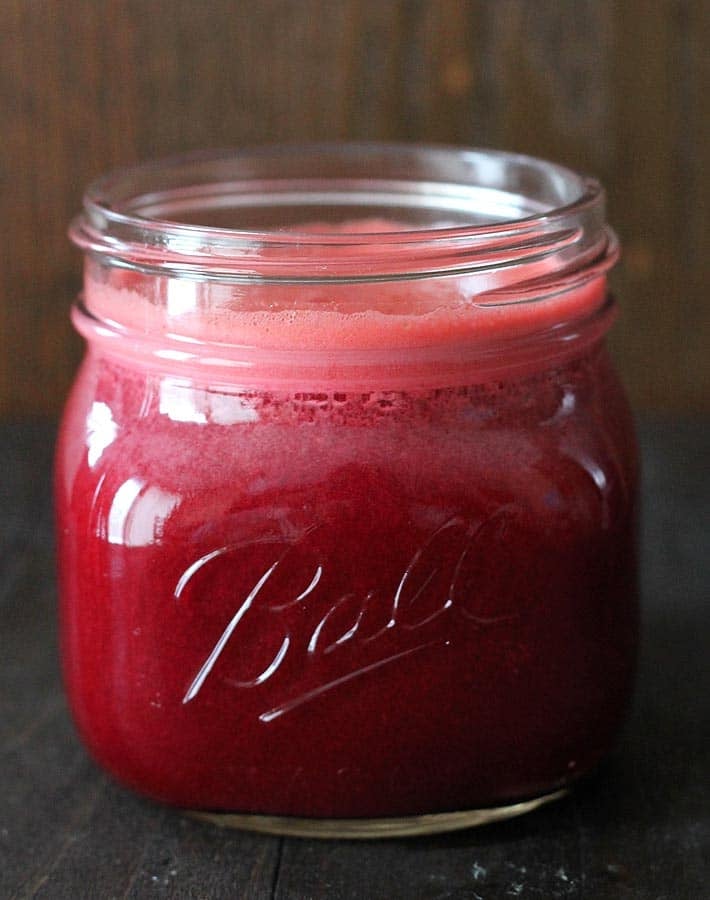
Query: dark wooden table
[[639, 829]]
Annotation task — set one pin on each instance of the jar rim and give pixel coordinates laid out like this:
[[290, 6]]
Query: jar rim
[[450, 210]]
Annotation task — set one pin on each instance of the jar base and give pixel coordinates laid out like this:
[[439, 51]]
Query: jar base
[[404, 826]]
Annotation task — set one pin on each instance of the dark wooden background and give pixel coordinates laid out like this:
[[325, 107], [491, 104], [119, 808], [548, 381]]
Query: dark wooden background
[[619, 89]]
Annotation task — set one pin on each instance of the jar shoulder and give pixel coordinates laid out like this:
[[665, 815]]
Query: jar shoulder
[[183, 437]]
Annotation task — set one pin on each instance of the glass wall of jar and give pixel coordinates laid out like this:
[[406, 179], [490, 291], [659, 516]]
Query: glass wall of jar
[[346, 487]]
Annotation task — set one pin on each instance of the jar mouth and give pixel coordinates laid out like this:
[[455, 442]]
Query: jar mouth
[[322, 213]]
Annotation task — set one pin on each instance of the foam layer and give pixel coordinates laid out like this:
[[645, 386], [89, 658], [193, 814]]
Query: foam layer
[[429, 331], [358, 317]]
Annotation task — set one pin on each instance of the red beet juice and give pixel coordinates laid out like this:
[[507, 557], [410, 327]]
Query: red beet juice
[[399, 580], [348, 604]]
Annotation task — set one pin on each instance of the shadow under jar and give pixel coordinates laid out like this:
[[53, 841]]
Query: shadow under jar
[[346, 487]]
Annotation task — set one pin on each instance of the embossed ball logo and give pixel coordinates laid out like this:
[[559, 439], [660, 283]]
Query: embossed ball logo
[[293, 614]]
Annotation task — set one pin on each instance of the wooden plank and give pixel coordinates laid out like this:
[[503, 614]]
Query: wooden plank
[[620, 89], [509, 859], [649, 201], [639, 829]]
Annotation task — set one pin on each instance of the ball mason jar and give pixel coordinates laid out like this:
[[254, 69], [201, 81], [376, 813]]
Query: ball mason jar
[[346, 487]]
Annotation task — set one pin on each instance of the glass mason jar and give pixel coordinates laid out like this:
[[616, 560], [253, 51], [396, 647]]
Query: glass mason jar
[[346, 487]]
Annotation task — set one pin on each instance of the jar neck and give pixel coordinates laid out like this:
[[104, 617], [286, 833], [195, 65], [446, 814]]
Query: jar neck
[[346, 261]]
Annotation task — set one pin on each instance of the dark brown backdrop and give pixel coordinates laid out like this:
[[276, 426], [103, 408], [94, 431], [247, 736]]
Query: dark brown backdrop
[[615, 87]]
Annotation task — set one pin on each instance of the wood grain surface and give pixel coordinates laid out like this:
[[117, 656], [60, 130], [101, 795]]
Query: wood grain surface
[[638, 830], [619, 89]]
